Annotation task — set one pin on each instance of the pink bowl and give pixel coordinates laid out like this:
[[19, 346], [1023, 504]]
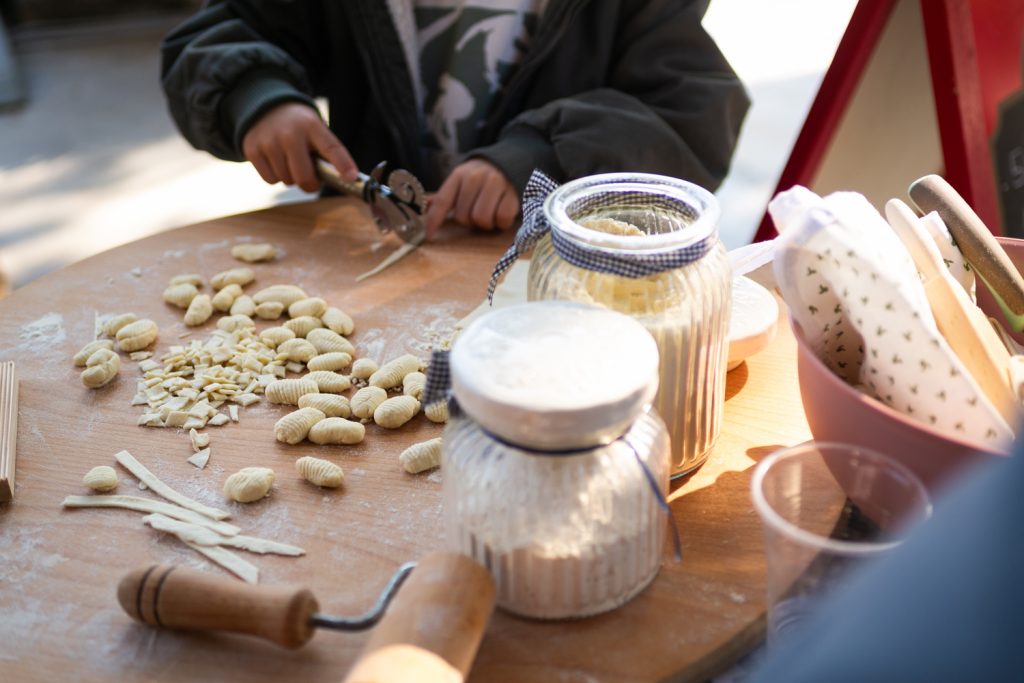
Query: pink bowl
[[838, 412]]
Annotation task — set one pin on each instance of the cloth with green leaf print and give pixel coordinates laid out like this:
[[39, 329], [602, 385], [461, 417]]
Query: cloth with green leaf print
[[852, 286]]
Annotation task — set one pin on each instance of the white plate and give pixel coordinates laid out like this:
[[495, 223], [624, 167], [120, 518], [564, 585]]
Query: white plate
[[755, 314]]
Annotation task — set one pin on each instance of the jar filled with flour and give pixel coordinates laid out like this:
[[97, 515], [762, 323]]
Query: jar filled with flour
[[647, 246], [555, 465]]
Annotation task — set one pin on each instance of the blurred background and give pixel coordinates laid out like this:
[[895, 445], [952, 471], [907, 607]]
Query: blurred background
[[89, 158]]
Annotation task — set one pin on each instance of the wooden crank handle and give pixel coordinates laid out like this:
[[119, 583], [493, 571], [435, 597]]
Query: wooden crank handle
[[433, 627], [185, 599]]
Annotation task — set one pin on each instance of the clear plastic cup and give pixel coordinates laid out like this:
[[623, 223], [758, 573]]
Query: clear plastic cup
[[828, 508]]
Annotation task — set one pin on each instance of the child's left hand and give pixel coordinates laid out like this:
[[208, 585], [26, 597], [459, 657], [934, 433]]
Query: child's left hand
[[475, 194]]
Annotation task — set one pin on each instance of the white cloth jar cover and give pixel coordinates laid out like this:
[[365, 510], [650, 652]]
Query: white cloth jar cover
[[852, 287]]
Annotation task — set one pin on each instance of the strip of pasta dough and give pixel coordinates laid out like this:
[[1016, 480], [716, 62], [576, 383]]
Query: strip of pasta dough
[[393, 258], [150, 506], [161, 489], [243, 569], [200, 535]]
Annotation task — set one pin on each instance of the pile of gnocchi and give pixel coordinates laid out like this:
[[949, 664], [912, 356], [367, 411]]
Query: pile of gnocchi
[[204, 382]]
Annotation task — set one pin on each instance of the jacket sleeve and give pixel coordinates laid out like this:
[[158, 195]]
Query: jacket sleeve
[[230, 63], [672, 105]]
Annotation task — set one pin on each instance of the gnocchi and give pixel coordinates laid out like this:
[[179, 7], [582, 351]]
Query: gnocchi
[[243, 305], [366, 400], [199, 311], [363, 368], [234, 276], [102, 366], [413, 384], [329, 382], [269, 310], [320, 472], [223, 299], [303, 325], [295, 426], [336, 430], [252, 253], [336, 320], [288, 391], [187, 279], [180, 295], [393, 372], [422, 456], [232, 323], [336, 360], [137, 335], [327, 341], [437, 411], [249, 484], [114, 325], [102, 478], [396, 411], [83, 355], [298, 350], [331, 405], [275, 336], [286, 295], [313, 306]]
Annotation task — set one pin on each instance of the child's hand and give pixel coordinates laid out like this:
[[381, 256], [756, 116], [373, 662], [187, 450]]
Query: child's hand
[[282, 142], [475, 194]]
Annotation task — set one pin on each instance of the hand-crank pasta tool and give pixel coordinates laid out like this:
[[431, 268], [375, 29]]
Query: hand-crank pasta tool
[[427, 631], [397, 205]]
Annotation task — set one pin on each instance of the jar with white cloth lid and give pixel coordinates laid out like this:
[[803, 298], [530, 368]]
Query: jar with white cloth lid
[[555, 466], [647, 246]]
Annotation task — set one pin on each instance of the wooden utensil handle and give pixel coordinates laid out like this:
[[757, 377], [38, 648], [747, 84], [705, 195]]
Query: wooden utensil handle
[[185, 599], [433, 628], [980, 248]]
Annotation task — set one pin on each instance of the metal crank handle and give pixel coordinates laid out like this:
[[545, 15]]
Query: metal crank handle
[[190, 600]]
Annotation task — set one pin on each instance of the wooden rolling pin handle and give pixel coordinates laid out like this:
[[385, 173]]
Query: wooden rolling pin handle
[[185, 599], [433, 627]]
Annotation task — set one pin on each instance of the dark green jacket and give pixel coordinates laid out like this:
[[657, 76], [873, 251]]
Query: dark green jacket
[[607, 85]]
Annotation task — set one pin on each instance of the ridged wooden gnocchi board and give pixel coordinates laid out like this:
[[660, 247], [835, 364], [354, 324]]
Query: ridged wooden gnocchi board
[[59, 617]]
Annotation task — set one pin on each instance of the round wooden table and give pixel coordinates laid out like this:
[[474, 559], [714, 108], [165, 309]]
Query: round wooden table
[[59, 619]]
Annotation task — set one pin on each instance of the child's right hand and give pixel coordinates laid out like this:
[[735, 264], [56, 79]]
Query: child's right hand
[[282, 142]]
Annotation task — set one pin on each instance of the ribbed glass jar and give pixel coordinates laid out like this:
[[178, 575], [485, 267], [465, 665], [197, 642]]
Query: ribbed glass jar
[[686, 309], [555, 465], [564, 535]]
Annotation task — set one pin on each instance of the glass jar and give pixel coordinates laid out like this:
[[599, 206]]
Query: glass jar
[[555, 465], [632, 217]]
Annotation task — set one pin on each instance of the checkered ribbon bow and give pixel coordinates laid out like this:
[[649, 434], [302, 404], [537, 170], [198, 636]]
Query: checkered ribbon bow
[[614, 262]]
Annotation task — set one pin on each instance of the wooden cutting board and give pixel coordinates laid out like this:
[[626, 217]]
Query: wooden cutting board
[[59, 568]]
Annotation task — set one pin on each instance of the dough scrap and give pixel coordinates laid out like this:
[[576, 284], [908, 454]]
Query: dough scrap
[[129, 462], [149, 506], [393, 258], [241, 568], [193, 533], [200, 458]]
